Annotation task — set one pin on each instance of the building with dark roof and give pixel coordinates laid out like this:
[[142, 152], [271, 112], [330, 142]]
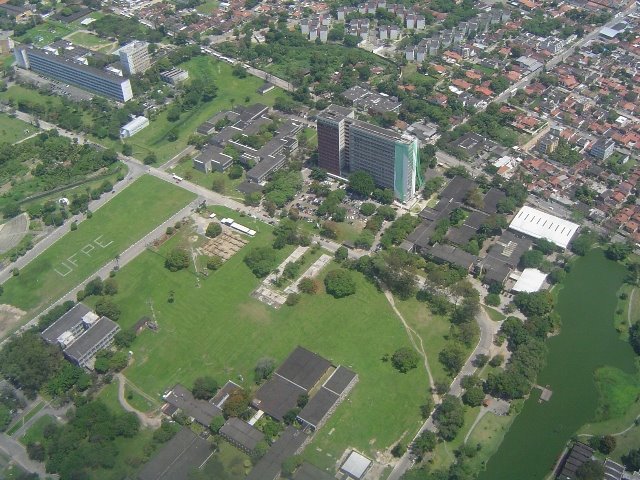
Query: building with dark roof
[[212, 157], [95, 338], [303, 368], [579, 454], [72, 322], [291, 442], [181, 398], [65, 69], [311, 472], [457, 189], [318, 408], [241, 435], [81, 334], [177, 458], [277, 396]]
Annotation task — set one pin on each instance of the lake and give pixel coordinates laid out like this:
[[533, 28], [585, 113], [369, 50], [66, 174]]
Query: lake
[[587, 341]]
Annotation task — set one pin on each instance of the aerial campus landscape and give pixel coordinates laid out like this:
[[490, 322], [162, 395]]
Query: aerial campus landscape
[[267, 239]]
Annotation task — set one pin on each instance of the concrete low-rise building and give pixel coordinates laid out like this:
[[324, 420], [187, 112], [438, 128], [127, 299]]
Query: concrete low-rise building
[[133, 127]]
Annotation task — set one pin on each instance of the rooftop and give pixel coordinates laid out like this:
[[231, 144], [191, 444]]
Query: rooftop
[[303, 368], [318, 407], [539, 224], [177, 458], [65, 323], [340, 379], [242, 433], [91, 337], [356, 465], [201, 410], [288, 444], [310, 472], [531, 280]]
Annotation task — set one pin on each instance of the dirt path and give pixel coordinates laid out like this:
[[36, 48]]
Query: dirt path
[[633, 291], [412, 336], [145, 420], [481, 413]]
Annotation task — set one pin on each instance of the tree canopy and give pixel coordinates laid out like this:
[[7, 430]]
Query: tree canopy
[[340, 283]]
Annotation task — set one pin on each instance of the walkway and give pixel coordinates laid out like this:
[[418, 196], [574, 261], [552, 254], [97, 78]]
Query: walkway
[[633, 291], [412, 336], [145, 419]]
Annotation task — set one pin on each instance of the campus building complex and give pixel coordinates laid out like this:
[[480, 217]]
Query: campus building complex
[[67, 69], [81, 334], [134, 57], [349, 145]]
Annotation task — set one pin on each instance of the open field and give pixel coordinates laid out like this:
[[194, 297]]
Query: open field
[[46, 32], [121, 222], [214, 327], [488, 433], [13, 130], [434, 331], [231, 91], [209, 6], [88, 40], [17, 93]]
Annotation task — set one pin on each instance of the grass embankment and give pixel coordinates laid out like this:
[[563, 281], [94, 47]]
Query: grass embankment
[[125, 219]]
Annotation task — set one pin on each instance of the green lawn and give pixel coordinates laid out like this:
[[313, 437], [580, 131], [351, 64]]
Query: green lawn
[[121, 222], [35, 433], [16, 93], [214, 327], [488, 433], [209, 6], [137, 401], [88, 40], [46, 32], [494, 314], [12, 129], [443, 455], [433, 329], [231, 91], [228, 463], [25, 418]]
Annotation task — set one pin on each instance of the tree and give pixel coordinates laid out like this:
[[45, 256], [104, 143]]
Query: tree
[[308, 285], [118, 361], [292, 299], [405, 359], [213, 230], [105, 307], [496, 361], [94, 287], [235, 172], [216, 424], [110, 286], [36, 451], [557, 275], [531, 259], [214, 263], [449, 416], [11, 209], [264, 368], [634, 337], [535, 304], [452, 358], [493, 299], [150, 159], [604, 444], [261, 261], [367, 209], [473, 396], [398, 450], [177, 259], [618, 251], [361, 183], [425, 442], [236, 404], [590, 470], [124, 338], [341, 253], [340, 283], [204, 388], [632, 460], [351, 41]]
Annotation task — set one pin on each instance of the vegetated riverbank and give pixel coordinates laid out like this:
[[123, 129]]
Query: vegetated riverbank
[[588, 341]]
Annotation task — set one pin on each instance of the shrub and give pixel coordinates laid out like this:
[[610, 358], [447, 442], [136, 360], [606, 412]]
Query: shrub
[[339, 283], [405, 359]]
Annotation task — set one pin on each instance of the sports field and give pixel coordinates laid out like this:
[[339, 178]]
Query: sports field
[[231, 91], [13, 130], [126, 218], [214, 327], [88, 40]]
